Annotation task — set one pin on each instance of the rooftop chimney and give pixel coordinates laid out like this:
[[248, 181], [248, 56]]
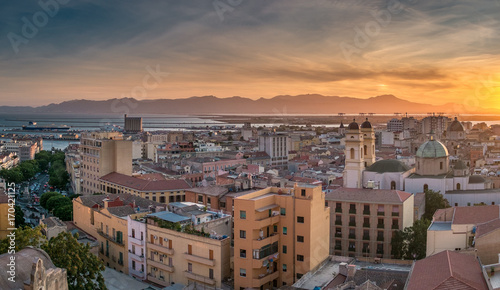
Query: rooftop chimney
[[351, 270]]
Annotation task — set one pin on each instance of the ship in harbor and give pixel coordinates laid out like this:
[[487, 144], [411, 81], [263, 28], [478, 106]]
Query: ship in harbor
[[33, 126]]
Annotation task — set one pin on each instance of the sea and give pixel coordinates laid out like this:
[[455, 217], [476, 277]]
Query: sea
[[11, 123]]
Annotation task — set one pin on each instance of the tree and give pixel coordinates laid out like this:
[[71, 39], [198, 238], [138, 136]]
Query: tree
[[433, 201], [46, 196], [83, 268], [57, 201], [25, 236], [64, 212], [411, 242], [19, 216]]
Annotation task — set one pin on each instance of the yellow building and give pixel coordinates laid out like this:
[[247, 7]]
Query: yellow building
[[163, 191], [188, 257], [4, 215], [280, 234], [103, 153], [363, 221]]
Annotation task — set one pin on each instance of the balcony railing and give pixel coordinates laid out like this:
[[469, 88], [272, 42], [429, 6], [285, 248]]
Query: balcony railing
[[366, 238], [366, 212], [198, 259], [160, 248], [199, 278], [339, 223], [338, 210], [353, 211], [108, 237], [380, 226], [160, 265], [135, 256], [352, 236], [352, 249], [352, 224], [338, 235], [395, 214], [381, 213], [136, 241], [366, 225], [380, 239]]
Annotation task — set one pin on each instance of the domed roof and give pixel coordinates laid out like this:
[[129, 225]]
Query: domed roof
[[456, 126], [460, 165], [353, 125], [432, 149], [366, 124], [389, 165]]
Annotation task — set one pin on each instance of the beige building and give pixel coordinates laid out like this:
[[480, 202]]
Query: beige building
[[160, 190], [103, 153], [280, 235], [178, 252], [52, 227], [454, 228], [363, 221], [487, 242]]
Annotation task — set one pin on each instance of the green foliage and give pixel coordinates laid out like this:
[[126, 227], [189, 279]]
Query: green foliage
[[25, 236], [46, 196], [434, 200], [19, 216], [83, 268], [64, 212], [411, 242], [23, 172], [57, 201]]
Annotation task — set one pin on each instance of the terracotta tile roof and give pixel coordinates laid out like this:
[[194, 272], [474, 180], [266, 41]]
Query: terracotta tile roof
[[210, 190], [488, 227], [121, 211], [151, 176], [447, 270], [128, 199], [145, 185], [368, 195], [475, 214]]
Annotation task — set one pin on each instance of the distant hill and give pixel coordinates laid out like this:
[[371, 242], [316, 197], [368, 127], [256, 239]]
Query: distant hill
[[284, 104]]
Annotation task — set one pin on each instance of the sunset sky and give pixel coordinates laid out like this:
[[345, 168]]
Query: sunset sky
[[424, 51]]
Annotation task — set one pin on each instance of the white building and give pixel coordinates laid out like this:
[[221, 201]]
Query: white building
[[359, 151], [277, 147], [137, 248]]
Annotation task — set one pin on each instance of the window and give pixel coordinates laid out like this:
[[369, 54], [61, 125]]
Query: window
[[283, 211], [441, 165], [190, 267], [300, 258], [133, 233], [243, 253], [208, 200], [190, 249], [284, 267], [211, 273], [243, 272], [352, 153], [243, 234], [243, 214], [284, 249], [458, 186], [300, 239], [393, 185], [365, 149], [284, 230], [300, 219], [200, 198], [303, 192]]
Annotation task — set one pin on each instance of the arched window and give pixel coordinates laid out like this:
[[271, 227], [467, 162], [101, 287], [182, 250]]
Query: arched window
[[426, 187], [458, 186], [352, 153], [441, 165], [393, 185], [365, 148]]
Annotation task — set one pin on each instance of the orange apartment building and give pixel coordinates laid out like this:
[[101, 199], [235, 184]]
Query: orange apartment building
[[280, 235]]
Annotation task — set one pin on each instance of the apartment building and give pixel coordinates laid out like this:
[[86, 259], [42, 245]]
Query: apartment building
[[132, 124], [73, 162], [103, 153], [363, 221], [210, 167], [182, 251], [161, 190], [280, 235], [136, 232], [277, 147]]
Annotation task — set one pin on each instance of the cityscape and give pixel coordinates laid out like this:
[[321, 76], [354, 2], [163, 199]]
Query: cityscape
[[231, 144]]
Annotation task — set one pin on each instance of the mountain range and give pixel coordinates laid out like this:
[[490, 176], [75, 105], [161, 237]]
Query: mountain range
[[283, 104]]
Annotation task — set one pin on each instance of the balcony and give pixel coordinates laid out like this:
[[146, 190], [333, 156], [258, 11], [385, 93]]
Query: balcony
[[381, 213], [352, 236], [352, 249], [395, 227], [366, 225], [160, 265], [338, 247], [352, 224], [260, 262], [261, 280], [135, 256], [395, 214], [338, 223], [380, 239], [257, 244], [339, 210], [366, 212], [137, 273], [108, 237], [136, 241], [160, 248], [366, 238], [160, 280], [199, 278], [338, 235], [268, 221], [380, 226], [352, 211], [200, 260]]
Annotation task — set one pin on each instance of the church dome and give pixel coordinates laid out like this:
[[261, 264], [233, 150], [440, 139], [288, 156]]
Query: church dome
[[432, 149], [353, 125], [456, 126], [389, 165], [366, 124]]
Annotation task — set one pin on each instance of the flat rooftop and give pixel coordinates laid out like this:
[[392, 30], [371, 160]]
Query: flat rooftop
[[440, 226]]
